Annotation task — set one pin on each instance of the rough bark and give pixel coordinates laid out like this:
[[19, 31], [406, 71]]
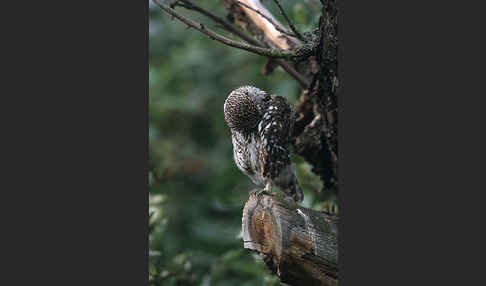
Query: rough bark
[[316, 133], [298, 244]]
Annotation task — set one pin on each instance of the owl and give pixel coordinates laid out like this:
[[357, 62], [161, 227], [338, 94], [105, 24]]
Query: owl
[[261, 125]]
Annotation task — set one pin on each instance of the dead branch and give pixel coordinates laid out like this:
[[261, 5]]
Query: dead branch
[[273, 34], [277, 26], [303, 81], [298, 244]]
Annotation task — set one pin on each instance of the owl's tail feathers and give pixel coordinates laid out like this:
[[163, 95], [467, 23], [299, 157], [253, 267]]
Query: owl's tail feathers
[[292, 188], [295, 191], [289, 184]]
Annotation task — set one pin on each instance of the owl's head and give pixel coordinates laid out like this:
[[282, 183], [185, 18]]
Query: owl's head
[[241, 110]]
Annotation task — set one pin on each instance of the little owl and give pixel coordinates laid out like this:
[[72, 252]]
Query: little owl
[[261, 125]]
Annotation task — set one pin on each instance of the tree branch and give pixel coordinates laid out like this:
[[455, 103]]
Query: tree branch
[[254, 13], [304, 82], [296, 243], [226, 25], [292, 27], [268, 52], [269, 19]]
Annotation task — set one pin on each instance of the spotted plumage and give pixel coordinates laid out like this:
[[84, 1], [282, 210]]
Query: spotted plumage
[[261, 125]]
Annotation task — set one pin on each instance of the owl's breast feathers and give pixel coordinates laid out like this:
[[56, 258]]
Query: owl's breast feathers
[[246, 152], [274, 130]]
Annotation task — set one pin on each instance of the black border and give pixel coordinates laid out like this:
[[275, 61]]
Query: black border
[[405, 163], [80, 146], [81, 164]]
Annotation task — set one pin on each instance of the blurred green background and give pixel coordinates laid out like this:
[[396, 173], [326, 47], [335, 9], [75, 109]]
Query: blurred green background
[[196, 192]]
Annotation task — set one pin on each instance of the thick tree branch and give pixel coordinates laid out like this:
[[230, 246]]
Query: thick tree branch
[[298, 244], [268, 52]]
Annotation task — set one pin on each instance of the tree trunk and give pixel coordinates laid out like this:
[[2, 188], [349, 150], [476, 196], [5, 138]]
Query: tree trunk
[[298, 244]]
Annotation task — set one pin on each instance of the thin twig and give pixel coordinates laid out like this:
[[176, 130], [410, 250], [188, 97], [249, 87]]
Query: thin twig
[[268, 52], [269, 19], [304, 82], [226, 24], [292, 27]]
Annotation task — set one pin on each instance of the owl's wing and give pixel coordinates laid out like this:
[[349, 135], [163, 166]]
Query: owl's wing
[[274, 130]]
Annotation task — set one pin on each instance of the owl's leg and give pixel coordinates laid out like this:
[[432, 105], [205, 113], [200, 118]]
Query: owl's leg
[[267, 189]]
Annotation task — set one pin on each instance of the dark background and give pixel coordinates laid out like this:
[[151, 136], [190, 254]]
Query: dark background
[[75, 198]]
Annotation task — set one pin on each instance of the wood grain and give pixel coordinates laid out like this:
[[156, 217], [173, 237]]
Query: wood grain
[[298, 244]]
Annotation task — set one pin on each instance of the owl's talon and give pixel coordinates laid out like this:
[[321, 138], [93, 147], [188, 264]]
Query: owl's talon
[[268, 188], [258, 193]]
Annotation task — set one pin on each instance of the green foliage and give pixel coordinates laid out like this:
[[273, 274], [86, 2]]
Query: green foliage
[[196, 192]]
